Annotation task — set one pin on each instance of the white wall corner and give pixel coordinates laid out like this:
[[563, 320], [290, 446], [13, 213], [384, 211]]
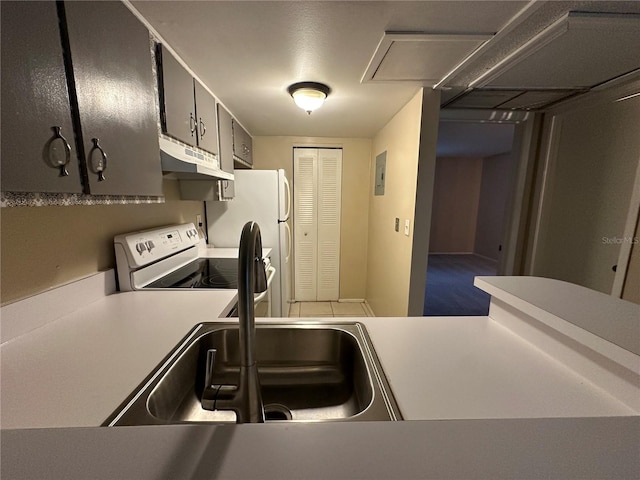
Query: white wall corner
[[424, 198]]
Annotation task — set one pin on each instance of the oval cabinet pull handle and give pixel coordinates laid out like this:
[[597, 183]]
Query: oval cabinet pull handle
[[62, 165], [102, 164], [192, 124], [203, 128]]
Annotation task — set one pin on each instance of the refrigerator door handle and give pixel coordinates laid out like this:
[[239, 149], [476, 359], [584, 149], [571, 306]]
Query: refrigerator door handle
[[288, 229], [288, 193]]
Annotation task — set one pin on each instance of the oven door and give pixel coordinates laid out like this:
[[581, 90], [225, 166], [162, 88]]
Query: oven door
[[262, 301]]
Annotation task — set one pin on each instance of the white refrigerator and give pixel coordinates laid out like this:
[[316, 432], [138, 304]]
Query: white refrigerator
[[262, 196]]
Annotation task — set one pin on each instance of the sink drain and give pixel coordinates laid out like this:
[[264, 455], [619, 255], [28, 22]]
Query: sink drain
[[275, 411]]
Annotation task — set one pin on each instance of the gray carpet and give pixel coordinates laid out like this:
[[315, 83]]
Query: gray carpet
[[450, 290]]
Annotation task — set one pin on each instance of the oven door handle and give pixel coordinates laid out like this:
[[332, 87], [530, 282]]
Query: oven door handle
[[271, 271]]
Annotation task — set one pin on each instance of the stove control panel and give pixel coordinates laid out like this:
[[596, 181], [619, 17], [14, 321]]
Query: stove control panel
[[149, 246]]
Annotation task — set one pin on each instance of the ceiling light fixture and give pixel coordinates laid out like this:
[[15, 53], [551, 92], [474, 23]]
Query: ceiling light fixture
[[309, 95]]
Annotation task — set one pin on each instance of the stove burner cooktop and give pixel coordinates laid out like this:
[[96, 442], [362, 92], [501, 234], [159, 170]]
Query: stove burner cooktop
[[202, 273]]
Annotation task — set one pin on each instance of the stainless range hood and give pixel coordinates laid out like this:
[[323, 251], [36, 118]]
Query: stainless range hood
[[184, 163]]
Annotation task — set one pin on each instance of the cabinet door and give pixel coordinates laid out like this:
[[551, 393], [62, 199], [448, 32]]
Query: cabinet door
[[206, 116], [227, 189], [111, 55], [248, 156], [225, 131], [34, 101], [177, 108], [242, 144]]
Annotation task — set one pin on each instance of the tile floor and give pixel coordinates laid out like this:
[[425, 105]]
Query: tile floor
[[327, 309]]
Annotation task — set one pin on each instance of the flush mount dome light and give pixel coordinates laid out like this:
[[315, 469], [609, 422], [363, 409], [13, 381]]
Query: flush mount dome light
[[309, 95]]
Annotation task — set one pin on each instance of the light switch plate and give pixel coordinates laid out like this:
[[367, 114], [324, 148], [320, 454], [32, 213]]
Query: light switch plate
[[406, 227]]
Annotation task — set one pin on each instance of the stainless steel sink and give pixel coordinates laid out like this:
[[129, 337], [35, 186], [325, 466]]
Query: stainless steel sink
[[308, 372]]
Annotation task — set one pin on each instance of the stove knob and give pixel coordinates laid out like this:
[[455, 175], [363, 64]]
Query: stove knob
[[140, 247], [150, 245], [189, 233]]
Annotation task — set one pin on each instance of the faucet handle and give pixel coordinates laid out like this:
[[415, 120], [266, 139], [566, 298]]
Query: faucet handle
[[210, 392], [260, 276], [211, 362]]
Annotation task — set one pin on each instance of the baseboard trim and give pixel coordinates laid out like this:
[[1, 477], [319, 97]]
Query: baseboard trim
[[368, 309], [495, 260], [451, 253]]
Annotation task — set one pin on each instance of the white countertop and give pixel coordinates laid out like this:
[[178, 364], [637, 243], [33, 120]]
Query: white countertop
[[76, 370], [473, 367], [512, 408], [584, 448], [553, 301], [209, 251]]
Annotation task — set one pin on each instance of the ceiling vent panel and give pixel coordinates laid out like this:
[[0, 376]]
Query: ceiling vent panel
[[485, 98], [579, 51], [459, 115], [423, 57], [510, 99], [537, 99]]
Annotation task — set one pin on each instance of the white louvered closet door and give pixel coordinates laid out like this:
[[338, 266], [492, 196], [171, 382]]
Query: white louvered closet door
[[305, 226], [317, 187], [329, 199]]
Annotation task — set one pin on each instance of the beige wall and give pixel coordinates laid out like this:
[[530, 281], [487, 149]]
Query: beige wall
[[497, 172], [44, 247], [277, 152], [456, 197], [389, 252], [587, 195]]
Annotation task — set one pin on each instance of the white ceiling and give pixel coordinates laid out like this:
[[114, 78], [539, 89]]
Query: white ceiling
[[249, 52]]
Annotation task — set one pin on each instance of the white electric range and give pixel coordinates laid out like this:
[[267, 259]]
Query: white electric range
[[173, 257]]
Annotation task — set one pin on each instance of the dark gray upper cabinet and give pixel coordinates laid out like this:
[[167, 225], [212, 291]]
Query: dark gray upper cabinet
[[206, 115], [225, 129], [226, 188], [35, 100], [113, 80], [187, 110], [77, 98], [175, 85], [242, 146]]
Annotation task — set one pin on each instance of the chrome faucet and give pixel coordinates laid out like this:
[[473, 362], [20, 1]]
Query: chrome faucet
[[244, 399]]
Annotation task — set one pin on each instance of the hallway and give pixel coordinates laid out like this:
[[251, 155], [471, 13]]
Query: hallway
[[450, 290]]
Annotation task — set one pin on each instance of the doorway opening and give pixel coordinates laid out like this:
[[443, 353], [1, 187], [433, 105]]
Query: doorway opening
[[475, 167]]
